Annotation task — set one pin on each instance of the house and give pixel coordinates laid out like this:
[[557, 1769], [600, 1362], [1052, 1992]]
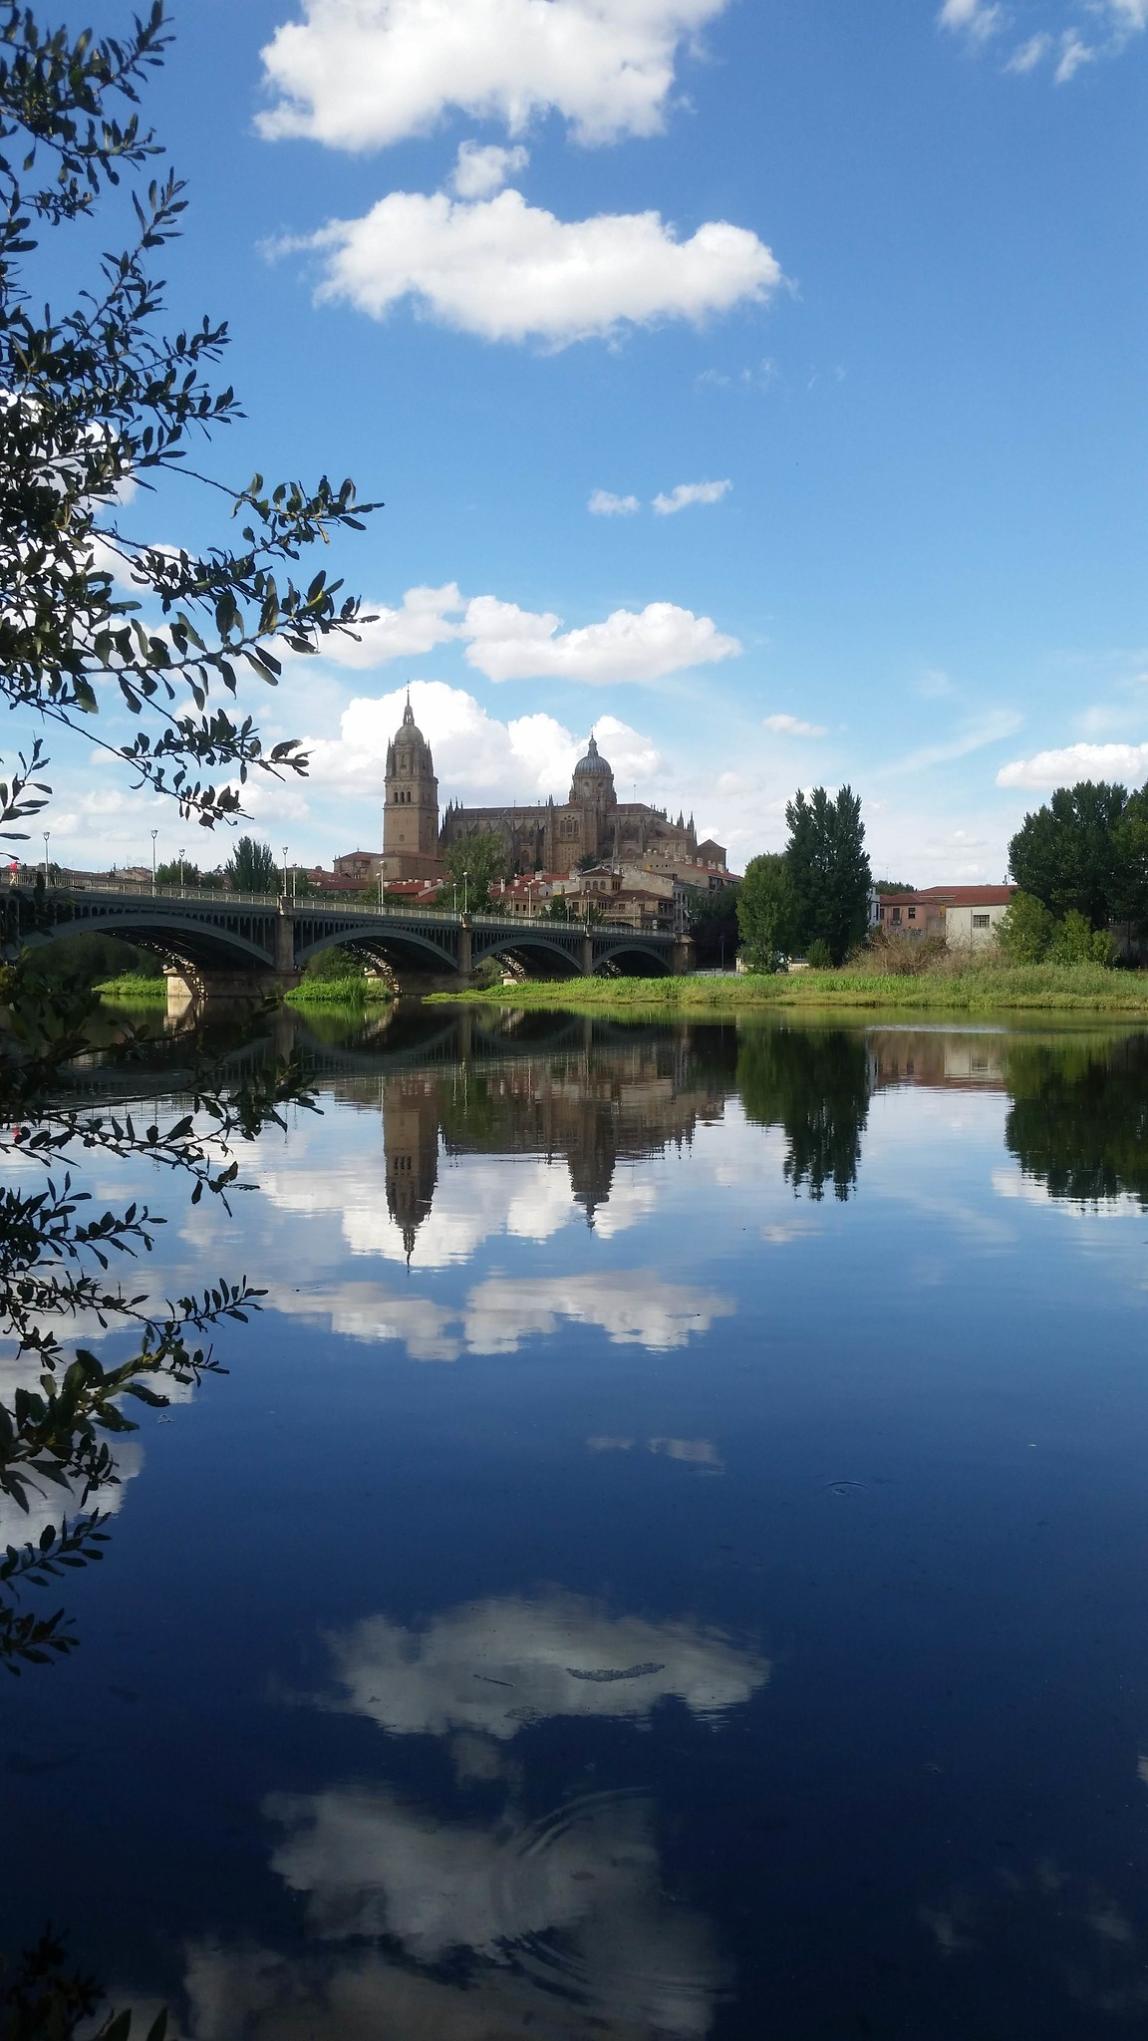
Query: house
[[965, 916]]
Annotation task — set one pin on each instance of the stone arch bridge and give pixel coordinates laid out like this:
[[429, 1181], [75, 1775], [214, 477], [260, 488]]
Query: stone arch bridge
[[234, 944]]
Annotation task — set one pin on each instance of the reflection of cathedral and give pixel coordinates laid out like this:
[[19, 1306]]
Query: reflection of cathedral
[[595, 1115], [545, 837]]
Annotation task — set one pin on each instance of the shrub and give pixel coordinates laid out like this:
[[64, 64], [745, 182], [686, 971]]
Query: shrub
[[819, 956], [1075, 941], [1026, 930]]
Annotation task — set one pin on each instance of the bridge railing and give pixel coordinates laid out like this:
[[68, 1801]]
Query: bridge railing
[[207, 896]]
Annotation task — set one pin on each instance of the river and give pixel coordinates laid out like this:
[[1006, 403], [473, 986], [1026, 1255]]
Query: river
[[669, 1560]]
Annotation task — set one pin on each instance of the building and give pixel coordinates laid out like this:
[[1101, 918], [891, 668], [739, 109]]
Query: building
[[964, 916], [363, 866], [547, 836]]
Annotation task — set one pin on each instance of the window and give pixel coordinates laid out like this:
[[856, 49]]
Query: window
[[912, 914], [896, 914], [982, 921]]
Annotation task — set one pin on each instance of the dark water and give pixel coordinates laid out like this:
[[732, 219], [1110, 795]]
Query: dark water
[[671, 1561]]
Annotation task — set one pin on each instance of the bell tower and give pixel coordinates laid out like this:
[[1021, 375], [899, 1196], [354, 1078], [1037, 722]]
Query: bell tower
[[410, 813]]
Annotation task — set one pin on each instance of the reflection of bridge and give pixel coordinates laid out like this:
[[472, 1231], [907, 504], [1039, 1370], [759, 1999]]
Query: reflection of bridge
[[237, 942]]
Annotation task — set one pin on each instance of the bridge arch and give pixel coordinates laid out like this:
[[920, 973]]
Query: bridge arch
[[202, 945], [391, 946], [527, 945], [651, 962]]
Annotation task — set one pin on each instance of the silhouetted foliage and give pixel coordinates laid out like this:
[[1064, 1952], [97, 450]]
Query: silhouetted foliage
[[814, 1084], [713, 919], [1078, 1121]]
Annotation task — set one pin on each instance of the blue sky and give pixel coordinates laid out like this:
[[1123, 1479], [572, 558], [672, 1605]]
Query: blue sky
[[872, 275]]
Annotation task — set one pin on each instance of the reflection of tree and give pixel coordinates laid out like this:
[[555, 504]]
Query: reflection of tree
[[813, 1083], [1079, 1116]]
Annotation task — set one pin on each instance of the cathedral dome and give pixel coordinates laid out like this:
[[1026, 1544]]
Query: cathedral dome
[[408, 731], [593, 766]]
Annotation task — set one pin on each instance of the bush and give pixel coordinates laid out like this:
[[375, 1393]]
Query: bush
[[1075, 941], [1026, 930], [899, 956], [819, 956]]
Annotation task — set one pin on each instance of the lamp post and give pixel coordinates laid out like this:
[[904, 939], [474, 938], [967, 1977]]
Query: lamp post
[[47, 834], [154, 834], [284, 871], [465, 877], [181, 870]]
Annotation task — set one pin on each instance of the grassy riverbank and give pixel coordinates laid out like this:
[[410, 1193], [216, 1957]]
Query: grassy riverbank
[[977, 988], [351, 991], [133, 989]]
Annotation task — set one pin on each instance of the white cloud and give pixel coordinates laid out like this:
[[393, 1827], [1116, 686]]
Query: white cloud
[[792, 726], [509, 643], [990, 729], [1029, 54], [1127, 762], [361, 74], [480, 170], [638, 1308], [420, 623], [686, 493], [934, 684], [508, 271], [604, 503], [1074, 53], [978, 19]]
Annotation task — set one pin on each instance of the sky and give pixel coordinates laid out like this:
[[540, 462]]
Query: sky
[[759, 384]]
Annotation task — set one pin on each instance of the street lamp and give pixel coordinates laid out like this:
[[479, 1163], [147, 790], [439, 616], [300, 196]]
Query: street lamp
[[284, 871], [154, 834], [47, 834], [181, 871], [465, 877]]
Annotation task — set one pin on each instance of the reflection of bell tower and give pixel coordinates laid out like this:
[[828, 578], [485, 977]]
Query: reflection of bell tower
[[592, 1152], [410, 1149]]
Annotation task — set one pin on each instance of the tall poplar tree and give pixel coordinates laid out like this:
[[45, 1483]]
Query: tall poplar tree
[[829, 873]]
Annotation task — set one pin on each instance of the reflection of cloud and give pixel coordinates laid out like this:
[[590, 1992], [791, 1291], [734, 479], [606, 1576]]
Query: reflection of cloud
[[574, 1902], [475, 1199], [369, 1311], [489, 1666], [697, 1452], [1031, 1190], [634, 1309]]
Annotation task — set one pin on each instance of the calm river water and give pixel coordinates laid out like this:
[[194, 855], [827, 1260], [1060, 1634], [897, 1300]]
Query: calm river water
[[671, 1559]]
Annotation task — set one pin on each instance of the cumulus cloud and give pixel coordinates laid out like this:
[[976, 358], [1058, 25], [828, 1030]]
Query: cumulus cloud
[[976, 18], [509, 643], [792, 726], [480, 170], [1127, 762], [361, 74], [506, 642], [504, 270], [684, 494], [604, 503]]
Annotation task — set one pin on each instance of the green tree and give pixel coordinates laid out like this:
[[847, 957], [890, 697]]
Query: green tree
[[1130, 837], [474, 863], [714, 924], [1067, 853], [1026, 929], [178, 872], [893, 886], [828, 870], [251, 868], [766, 911]]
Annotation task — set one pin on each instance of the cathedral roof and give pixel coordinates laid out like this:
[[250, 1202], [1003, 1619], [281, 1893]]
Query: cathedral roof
[[409, 730], [592, 765]]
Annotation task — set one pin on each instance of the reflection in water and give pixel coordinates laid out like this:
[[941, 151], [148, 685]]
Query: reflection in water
[[815, 1085], [491, 1666], [438, 1801], [1078, 1121]]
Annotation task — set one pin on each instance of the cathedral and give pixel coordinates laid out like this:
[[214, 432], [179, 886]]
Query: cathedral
[[549, 836]]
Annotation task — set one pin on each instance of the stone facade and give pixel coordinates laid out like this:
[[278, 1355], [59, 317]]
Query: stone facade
[[549, 836]]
